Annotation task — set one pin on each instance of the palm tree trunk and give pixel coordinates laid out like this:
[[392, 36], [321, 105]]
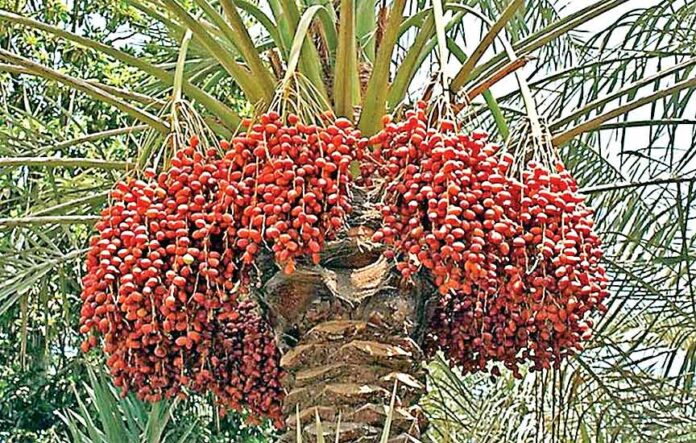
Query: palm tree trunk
[[349, 331]]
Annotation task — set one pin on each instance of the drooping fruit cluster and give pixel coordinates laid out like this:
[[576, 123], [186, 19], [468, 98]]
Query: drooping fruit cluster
[[516, 261], [162, 289], [436, 212], [168, 281], [552, 279], [299, 177]]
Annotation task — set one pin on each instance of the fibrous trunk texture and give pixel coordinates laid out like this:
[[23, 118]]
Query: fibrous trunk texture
[[349, 330]]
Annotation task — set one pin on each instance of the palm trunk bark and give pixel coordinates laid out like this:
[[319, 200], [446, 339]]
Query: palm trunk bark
[[349, 330]]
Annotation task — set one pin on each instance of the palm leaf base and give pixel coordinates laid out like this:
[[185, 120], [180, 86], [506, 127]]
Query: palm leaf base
[[350, 330]]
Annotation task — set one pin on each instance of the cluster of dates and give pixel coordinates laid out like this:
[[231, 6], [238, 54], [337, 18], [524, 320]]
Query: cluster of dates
[[516, 259], [168, 273], [168, 287]]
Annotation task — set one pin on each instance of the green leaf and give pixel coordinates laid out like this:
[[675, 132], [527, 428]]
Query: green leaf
[[384, 438], [253, 91], [62, 162], [589, 125], [180, 65], [374, 104], [365, 27], [410, 64], [500, 121], [88, 88], [549, 33], [233, 28], [13, 288], [298, 43], [288, 16], [213, 105], [328, 32], [441, 39], [628, 89], [346, 86], [265, 21], [464, 72], [319, 427]]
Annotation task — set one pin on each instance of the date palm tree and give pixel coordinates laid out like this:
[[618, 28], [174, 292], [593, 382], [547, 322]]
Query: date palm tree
[[617, 102]]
